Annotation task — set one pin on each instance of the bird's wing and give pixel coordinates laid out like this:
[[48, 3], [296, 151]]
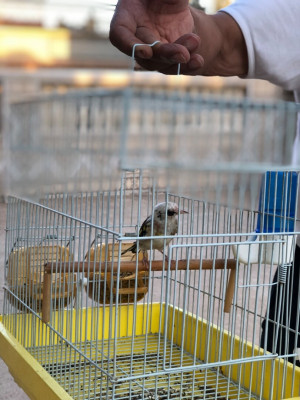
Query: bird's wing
[[145, 229], [131, 248]]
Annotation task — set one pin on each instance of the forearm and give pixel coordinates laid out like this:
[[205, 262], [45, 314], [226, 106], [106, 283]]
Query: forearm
[[222, 44]]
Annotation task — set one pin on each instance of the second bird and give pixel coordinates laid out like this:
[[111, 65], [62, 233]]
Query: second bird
[[162, 222]]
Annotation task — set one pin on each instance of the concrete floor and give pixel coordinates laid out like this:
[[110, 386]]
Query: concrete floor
[[8, 387]]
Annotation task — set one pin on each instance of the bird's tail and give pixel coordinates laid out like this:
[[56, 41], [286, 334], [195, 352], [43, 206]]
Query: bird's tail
[[131, 248]]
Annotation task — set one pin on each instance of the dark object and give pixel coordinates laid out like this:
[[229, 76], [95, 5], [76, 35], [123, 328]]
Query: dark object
[[287, 340]]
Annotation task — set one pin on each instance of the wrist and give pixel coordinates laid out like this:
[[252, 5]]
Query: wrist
[[233, 57], [222, 44]]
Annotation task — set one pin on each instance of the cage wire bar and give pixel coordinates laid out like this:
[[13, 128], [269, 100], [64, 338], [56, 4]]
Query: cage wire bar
[[106, 324], [80, 141]]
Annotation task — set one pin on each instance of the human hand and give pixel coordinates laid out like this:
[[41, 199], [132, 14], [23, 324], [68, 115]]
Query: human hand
[[202, 44], [171, 22]]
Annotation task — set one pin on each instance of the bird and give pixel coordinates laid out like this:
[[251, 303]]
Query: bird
[[162, 222]]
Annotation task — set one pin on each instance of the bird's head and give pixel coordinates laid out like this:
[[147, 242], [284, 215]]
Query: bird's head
[[170, 209]]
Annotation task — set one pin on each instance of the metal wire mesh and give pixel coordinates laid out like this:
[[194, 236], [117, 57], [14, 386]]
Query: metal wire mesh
[[181, 319], [206, 147], [64, 143], [106, 327]]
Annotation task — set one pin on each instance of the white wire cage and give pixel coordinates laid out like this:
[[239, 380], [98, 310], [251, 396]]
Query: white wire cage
[[199, 145], [104, 324]]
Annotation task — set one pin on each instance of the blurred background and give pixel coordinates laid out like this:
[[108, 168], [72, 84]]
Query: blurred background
[[57, 45], [52, 46]]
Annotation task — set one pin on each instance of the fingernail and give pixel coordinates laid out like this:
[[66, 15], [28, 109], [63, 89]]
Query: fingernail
[[141, 54]]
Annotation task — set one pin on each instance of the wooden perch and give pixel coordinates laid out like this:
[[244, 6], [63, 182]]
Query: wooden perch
[[229, 291], [131, 266]]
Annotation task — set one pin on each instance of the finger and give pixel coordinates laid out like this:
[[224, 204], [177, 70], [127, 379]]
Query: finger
[[179, 51], [163, 68], [191, 41], [150, 65], [193, 67], [171, 53], [168, 53]]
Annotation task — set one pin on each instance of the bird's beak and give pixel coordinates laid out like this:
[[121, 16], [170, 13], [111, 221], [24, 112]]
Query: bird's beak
[[183, 212]]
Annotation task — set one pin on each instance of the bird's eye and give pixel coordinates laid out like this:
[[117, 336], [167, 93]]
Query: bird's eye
[[171, 213]]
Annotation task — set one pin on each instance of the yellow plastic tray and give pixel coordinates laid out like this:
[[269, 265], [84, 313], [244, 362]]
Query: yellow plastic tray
[[36, 380]]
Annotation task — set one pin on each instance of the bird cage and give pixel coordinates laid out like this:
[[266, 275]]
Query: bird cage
[[180, 314]]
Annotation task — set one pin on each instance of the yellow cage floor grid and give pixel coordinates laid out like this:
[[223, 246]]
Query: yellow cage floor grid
[[83, 379]]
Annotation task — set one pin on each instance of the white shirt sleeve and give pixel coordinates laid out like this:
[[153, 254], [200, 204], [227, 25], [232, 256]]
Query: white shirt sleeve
[[271, 29]]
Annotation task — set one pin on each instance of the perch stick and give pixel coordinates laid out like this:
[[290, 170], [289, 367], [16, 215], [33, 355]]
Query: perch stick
[[131, 266]]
